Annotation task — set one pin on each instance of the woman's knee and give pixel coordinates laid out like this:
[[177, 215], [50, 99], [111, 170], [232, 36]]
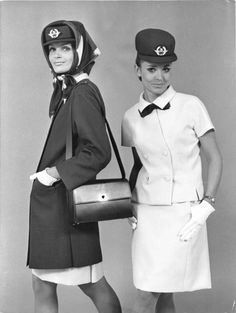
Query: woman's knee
[[98, 289], [43, 288], [91, 288], [148, 294], [167, 296]]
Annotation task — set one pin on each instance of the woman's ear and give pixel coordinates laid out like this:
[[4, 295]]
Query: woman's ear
[[138, 72]]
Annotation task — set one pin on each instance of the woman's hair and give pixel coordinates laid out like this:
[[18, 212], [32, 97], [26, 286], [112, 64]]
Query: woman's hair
[[138, 61]]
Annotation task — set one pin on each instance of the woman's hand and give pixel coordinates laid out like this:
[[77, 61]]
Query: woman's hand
[[44, 178], [199, 215], [200, 212]]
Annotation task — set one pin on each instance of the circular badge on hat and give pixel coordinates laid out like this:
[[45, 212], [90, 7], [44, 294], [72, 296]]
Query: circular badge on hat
[[161, 50], [54, 33]]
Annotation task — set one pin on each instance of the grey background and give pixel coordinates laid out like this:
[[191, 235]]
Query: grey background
[[205, 35]]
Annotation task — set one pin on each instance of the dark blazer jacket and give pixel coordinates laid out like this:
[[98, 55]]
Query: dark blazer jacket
[[53, 241]]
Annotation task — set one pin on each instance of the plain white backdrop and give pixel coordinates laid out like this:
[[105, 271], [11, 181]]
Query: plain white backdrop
[[205, 36]]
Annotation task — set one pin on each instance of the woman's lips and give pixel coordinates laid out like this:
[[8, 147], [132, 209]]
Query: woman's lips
[[58, 63], [158, 85]]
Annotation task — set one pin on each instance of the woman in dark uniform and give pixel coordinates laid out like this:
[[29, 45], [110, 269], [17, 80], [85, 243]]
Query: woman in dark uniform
[[60, 253]]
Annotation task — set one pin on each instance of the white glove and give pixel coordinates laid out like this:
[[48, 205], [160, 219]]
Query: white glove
[[133, 222], [199, 215], [44, 178]]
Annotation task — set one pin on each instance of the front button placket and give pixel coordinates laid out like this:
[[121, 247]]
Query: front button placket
[[168, 175]]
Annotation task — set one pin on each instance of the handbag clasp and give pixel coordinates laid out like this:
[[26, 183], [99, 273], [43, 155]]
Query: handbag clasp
[[102, 197]]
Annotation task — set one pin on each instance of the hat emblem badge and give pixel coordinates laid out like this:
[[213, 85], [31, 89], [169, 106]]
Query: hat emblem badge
[[54, 33], [161, 50]]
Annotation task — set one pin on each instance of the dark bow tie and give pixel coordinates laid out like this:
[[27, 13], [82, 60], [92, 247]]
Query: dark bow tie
[[148, 110]]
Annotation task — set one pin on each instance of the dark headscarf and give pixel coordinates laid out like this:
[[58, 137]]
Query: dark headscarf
[[85, 52]]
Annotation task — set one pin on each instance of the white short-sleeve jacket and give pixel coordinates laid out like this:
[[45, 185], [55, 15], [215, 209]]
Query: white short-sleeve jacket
[[167, 142]]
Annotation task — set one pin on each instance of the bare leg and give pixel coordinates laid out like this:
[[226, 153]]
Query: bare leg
[[165, 303], [145, 302], [103, 296], [45, 296]]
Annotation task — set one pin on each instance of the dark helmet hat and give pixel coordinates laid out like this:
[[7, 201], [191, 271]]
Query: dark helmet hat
[[155, 45], [57, 33], [85, 50]]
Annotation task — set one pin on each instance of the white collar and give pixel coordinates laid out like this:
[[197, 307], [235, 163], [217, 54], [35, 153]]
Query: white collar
[[161, 100], [79, 77]]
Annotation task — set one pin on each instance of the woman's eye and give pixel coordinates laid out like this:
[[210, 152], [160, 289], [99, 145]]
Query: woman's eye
[[66, 48], [51, 50], [151, 69], [166, 70]]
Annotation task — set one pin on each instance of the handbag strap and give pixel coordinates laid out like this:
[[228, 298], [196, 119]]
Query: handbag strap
[[112, 140]]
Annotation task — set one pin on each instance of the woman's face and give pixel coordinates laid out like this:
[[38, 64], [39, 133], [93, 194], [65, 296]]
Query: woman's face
[[154, 77], [61, 56]]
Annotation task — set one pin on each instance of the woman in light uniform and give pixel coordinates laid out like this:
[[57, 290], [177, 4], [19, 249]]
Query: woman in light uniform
[[166, 130]]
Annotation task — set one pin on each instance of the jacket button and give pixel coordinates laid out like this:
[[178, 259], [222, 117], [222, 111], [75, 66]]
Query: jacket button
[[165, 153], [167, 178]]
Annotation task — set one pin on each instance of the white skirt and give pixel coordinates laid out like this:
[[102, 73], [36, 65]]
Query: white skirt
[[163, 263], [71, 276]]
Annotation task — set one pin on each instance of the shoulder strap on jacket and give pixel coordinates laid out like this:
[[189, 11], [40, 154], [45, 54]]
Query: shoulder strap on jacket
[[69, 143]]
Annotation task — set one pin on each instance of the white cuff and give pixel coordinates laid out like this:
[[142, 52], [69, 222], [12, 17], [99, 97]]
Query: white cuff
[[44, 178], [200, 212]]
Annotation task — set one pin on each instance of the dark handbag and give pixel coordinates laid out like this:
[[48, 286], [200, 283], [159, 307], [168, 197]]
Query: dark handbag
[[102, 199]]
